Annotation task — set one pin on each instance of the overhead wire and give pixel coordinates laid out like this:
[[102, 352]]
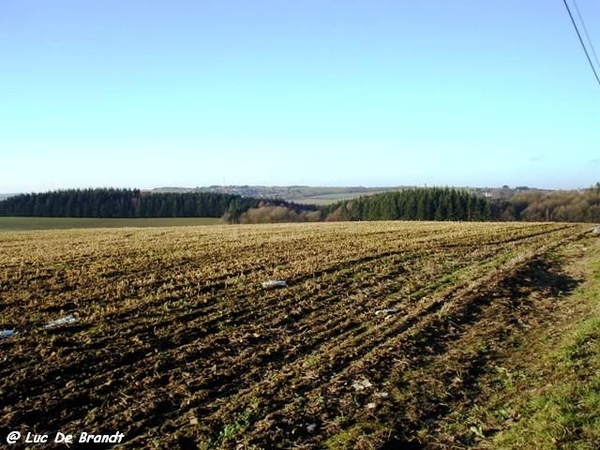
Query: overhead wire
[[586, 33], [581, 41]]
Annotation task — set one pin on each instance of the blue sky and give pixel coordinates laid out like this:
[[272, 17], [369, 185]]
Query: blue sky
[[148, 93]]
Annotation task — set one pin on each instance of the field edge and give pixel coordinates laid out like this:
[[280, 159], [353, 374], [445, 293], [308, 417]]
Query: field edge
[[546, 393], [560, 408]]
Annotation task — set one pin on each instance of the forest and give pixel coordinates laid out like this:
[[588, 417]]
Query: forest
[[436, 203], [414, 204], [122, 203], [557, 206]]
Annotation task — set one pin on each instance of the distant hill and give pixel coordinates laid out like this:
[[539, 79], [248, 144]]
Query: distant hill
[[321, 195], [316, 195], [327, 195]]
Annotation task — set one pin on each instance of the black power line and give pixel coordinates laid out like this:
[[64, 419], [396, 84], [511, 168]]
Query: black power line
[[586, 33], [581, 41]]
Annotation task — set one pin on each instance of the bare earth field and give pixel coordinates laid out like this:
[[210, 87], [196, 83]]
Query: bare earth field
[[384, 332]]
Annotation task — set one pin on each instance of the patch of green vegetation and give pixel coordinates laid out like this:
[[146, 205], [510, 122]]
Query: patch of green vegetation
[[61, 223], [564, 413], [345, 439], [231, 430], [350, 438]]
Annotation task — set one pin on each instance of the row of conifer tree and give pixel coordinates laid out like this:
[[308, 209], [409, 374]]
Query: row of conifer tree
[[123, 203], [408, 204], [415, 204]]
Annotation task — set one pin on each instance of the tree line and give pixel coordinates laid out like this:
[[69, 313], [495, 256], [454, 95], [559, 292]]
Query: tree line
[[557, 206], [408, 204], [123, 203], [414, 204], [463, 205]]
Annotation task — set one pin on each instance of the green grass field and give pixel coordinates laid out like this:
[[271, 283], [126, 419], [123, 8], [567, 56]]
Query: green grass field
[[61, 223]]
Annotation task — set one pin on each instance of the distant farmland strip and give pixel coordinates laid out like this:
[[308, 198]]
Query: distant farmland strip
[[63, 223]]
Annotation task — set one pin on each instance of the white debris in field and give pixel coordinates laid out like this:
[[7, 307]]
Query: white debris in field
[[311, 428], [7, 333], [362, 384], [371, 405], [272, 284], [596, 230], [381, 395], [387, 311], [62, 321]]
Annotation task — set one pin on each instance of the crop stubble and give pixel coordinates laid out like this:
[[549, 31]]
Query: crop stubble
[[177, 343]]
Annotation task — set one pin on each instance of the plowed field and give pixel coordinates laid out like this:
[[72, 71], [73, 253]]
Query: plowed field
[[381, 328]]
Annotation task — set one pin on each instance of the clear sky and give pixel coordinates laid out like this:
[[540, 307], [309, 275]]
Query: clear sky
[[149, 93]]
